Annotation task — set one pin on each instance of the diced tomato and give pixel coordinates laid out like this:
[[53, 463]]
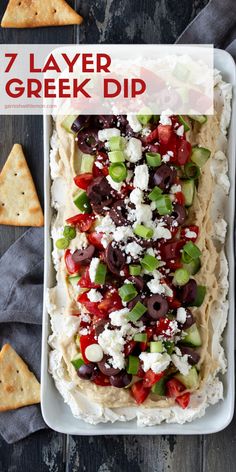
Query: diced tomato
[[111, 301], [103, 162], [95, 239], [129, 347], [183, 153], [179, 197], [83, 221], [126, 189], [153, 136], [174, 388], [139, 392], [91, 307], [171, 250], [183, 400], [85, 281], [71, 266], [83, 180], [84, 342], [101, 379], [164, 133], [151, 378], [140, 372], [173, 303], [173, 264], [163, 326], [193, 229]]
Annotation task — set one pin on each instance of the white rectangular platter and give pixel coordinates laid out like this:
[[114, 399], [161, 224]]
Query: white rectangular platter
[[56, 413]]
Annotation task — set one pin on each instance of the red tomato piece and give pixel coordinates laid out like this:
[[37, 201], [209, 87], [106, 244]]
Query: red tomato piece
[[139, 392], [101, 379], [174, 388], [153, 136], [83, 221], [111, 301], [71, 266], [164, 134], [129, 347], [192, 229], [85, 281], [179, 197], [103, 164], [183, 400], [183, 153], [83, 180], [95, 239], [174, 265], [171, 250], [84, 342], [151, 378], [163, 326], [92, 307]]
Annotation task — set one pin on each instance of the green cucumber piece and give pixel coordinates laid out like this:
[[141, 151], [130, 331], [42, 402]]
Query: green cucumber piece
[[192, 337], [199, 118], [87, 162], [191, 380], [193, 267], [82, 202], [184, 123], [188, 189], [159, 387], [200, 156], [74, 279], [68, 122], [77, 362]]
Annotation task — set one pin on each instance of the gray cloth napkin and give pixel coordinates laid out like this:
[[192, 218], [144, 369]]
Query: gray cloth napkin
[[21, 267], [21, 293]]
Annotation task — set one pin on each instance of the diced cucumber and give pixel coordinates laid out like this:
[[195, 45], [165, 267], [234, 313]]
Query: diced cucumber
[[191, 380], [192, 337], [200, 156], [74, 279], [188, 189], [193, 267], [201, 292], [87, 162], [156, 346], [199, 118], [82, 202], [159, 387], [77, 362], [68, 122], [184, 123]]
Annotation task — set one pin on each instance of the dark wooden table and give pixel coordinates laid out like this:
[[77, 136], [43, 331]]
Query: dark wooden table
[[111, 21]]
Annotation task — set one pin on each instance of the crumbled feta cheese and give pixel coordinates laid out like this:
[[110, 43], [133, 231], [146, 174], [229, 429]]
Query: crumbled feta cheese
[[180, 131], [146, 131], [141, 177], [175, 189], [160, 231], [143, 214], [115, 185], [93, 268], [98, 164], [105, 134], [134, 123], [94, 296], [106, 225], [105, 240], [119, 317], [136, 196], [133, 150], [165, 119], [181, 315], [122, 233], [190, 234], [181, 363], [155, 361], [165, 158], [112, 343], [134, 249]]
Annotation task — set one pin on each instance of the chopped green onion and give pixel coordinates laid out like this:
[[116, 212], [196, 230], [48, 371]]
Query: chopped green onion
[[149, 263], [140, 337], [127, 292], [100, 276], [191, 170], [135, 269], [201, 292], [184, 123], [185, 258], [143, 231], [192, 250], [181, 277], [153, 159], [156, 346], [86, 165], [133, 365], [199, 118], [77, 362], [155, 193], [82, 202], [159, 387], [69, 232], [169, 346], [116, 156], [144, 116], [116, 143], [164, 205], [62, 243], [118, 171], [136, 313], [193, 266]]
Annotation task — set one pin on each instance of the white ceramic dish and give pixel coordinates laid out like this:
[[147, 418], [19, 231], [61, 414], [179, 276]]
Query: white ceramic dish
[[55, 412]]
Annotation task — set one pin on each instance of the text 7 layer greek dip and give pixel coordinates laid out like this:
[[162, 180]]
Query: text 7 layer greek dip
[[140, 302]]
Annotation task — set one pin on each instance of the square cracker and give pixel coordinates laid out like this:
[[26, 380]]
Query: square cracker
[[19, 203], [35, 13], [18, 386]]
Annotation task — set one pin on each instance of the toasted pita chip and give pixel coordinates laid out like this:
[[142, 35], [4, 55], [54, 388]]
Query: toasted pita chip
[[18, 386], [35, 13], [19, 203]]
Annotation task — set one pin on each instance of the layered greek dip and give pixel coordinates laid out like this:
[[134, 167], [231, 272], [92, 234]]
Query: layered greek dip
[[140, 301]]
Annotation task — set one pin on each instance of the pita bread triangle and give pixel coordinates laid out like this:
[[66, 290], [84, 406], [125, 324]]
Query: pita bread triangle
[[18, 386], [19, 203], [35, 13]]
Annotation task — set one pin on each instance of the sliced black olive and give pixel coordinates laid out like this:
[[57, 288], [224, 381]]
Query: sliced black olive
[[86, 371], [137, 281], [82, 121], [193, 356], [118, 213], [179, 213], [83, 255], [87, 140], [99, 194], [187, 294], [164, 177], [121, 380], [157, 306], [133, 302], [115, 259], [99, 326], [106, 369], [189, 320]]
